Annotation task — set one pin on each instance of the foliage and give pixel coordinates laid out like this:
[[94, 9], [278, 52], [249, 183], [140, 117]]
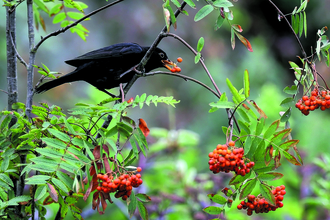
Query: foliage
[[71, 157]]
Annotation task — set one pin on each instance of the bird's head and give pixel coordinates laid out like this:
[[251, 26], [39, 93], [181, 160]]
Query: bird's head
[[159, 59]]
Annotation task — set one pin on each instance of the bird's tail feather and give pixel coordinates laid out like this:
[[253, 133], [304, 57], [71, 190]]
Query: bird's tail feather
[[56, 82]]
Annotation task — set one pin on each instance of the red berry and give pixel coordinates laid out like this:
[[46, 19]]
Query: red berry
[[138, 169], [239, 206], [179, 59], [173, 70]]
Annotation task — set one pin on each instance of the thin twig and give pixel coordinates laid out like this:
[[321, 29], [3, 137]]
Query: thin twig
[[62, 30], [4, 91], [17, 54], [12, 9], [183, 77], [195, 52], [296, 36]]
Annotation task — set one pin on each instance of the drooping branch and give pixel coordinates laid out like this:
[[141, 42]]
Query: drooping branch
[[185, 78], [294, 33], [62, 30]]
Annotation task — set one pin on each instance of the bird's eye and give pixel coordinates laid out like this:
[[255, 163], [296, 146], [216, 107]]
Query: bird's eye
[[161, 55]]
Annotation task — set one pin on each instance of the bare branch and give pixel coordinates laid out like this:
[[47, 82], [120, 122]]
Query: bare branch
[[183, 77], [17, 54], [297, 38], [4, 91], [62, 30]]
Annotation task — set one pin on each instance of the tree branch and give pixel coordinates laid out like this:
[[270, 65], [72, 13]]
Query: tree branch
[[296, 36], [183, 77], [62, 30]]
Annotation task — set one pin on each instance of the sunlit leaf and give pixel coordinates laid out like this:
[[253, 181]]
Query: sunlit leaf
[[267, 193], [247, 188], [203, 12]]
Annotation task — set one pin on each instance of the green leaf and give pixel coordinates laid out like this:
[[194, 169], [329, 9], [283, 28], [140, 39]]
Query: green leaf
[[37, 179], [142, 210], [213, 210], [219, 22], [41, 5], [290, 143], [65, 179], [223, 104], [291, 158], [260, 126], [267, 194], [143, 197], [54, 143], [247, 188], [203, 12], [59, 184], [246, 84], [217, 198], [49, 152], [18, 199], [197, 57], [287, 102], [40, 192], [6, 179], [234, 91], [60, 135], [271, 129], [55, 9], [222, 3], [305, 24], [59, 17], [286, 115], [239, 179], [270, 176], [301, 24], [68, 126], [232, 38], [75, 15], [132, 205], [73, 4], [176, 3], [200, 44], [291, 90], [281, 135], [190, 3]]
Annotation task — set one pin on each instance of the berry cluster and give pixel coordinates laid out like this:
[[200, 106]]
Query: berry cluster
[[122, 184], [316, 100], [260, 205], [175, 68], [226, 159]]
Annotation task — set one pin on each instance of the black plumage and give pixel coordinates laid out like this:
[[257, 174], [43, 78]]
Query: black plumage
[[102, 68]]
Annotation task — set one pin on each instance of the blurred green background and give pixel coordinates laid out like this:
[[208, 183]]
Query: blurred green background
[[178, 178]]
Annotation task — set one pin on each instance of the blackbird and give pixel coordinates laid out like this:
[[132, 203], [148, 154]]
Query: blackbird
[[104, 68]]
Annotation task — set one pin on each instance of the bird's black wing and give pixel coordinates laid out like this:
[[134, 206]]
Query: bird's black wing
[[113, 51]]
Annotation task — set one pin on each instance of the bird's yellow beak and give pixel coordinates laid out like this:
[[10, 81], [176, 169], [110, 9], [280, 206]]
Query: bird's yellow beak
[[168, 64]]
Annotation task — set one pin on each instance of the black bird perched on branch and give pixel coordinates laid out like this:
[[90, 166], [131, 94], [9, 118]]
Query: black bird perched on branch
[[104, 68]]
